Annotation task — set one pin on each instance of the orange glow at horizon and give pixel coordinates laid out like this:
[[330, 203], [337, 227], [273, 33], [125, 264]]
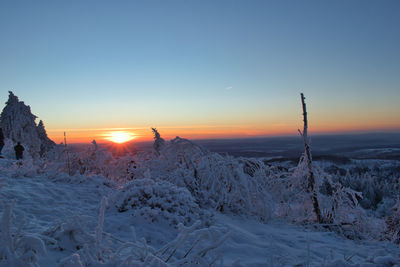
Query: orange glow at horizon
[[119, 137]]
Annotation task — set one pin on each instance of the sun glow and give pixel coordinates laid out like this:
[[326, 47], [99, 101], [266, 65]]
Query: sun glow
[[120, 137]]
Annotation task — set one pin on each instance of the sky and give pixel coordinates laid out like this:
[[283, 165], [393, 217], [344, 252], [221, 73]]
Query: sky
[[203, 69]]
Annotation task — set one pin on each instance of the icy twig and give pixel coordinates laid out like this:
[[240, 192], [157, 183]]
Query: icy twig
[[99, 228]]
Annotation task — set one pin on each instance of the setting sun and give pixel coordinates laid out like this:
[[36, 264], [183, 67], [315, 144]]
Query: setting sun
[[120, 137]]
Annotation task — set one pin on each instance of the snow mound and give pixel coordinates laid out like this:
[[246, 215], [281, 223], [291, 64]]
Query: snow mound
[[158, 200]]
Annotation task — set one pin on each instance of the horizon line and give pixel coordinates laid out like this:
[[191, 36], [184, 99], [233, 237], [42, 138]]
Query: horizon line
[[283, 135]]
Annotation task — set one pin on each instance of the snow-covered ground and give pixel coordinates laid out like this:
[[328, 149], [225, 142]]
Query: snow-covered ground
[[178, 204], [63, 211]]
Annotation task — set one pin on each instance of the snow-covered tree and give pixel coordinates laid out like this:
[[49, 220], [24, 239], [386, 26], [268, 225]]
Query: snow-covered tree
[[46, 144], [18, 124], [158, 141]]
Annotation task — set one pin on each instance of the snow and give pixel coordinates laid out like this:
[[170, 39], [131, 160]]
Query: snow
[[73, 203], [182, 205]]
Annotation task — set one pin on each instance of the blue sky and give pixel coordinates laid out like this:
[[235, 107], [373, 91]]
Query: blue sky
[[223, 64]]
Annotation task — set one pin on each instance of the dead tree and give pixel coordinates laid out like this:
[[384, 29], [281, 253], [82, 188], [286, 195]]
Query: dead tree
[[311, 177], [66, 151]]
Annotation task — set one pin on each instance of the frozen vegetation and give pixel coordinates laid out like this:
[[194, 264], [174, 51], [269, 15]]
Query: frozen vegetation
[[182, 205]]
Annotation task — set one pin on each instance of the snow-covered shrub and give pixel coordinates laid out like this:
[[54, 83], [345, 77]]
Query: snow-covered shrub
[[70, 235], [127, 168], [339, 205], [18, 169], [55, 160], [26, 168], [393, 223], [219, 182], [158, 200], [75, 237], [193, 246], [16, 248], [93, 161], [229, 184], [291, 192], [336, 201]]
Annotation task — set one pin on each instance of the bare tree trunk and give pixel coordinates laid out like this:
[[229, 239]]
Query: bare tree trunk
[[311, 178], [66, 150]]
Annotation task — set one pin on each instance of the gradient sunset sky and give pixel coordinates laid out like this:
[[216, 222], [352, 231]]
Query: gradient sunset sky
[[203, 69]]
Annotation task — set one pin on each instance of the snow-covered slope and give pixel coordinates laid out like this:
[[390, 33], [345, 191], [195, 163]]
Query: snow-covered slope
[[65, 212], [182, 205]]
